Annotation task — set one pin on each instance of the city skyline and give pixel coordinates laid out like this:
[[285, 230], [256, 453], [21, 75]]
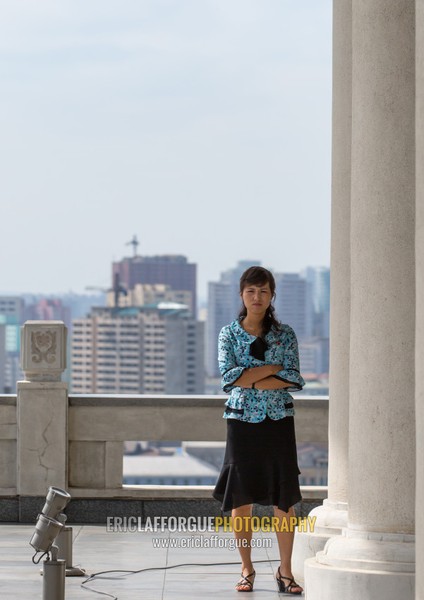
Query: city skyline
[[202, 294], [302, 300], [204, 128]]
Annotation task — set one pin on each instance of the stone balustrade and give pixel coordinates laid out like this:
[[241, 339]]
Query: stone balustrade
[[48, 437], [97, 426]]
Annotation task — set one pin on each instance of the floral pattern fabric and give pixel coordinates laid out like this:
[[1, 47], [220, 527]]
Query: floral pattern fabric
[[250, 404]]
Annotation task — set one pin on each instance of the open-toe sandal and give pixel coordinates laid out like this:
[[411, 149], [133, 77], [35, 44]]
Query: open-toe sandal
[[287, 589], [246, 582]]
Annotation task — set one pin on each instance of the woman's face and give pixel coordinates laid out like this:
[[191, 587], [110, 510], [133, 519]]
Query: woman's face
[[256, 298]]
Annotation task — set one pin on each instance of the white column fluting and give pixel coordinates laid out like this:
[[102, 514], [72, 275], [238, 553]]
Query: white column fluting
[[374, 556], [419, 329], [340, 254], [332, 516]]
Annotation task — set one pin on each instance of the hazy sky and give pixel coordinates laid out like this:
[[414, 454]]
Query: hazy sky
[[202, 126]]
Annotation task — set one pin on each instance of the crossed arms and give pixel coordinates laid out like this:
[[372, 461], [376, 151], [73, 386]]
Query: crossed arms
[[262, 377]]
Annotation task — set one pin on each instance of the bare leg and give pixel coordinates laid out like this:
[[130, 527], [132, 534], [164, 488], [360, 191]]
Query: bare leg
[[285, 540], [244, 538]]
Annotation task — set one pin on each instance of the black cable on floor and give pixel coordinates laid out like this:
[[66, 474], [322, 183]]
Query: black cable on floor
[[129, 572]]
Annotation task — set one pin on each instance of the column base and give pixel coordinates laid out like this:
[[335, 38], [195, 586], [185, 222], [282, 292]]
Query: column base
[[366, 565], [331, 518]]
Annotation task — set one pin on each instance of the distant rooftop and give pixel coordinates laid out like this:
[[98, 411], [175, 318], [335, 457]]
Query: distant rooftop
[[159, 258], [177, 465]]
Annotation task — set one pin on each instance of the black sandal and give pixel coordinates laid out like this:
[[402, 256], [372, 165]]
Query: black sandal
[[244, 581], [287, 589]]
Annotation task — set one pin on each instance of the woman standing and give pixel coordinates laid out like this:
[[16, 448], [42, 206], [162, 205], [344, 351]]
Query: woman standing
[[259, 364]]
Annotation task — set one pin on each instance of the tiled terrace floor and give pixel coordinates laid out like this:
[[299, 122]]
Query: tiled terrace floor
[[95, 549]]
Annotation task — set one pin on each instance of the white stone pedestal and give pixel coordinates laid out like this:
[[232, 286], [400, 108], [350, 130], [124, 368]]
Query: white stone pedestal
[[331, 518], [365, 565]]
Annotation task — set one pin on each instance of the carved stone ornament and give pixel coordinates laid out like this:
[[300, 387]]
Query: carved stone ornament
[[43, 350], [43, 346]]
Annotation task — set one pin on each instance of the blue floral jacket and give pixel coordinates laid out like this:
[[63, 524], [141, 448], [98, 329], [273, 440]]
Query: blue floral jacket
[[234, 357]]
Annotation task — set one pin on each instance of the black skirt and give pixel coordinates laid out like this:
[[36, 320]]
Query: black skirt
[[260, 465]]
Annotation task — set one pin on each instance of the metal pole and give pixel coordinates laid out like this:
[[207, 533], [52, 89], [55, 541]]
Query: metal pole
[[54, 579], [64, 544]]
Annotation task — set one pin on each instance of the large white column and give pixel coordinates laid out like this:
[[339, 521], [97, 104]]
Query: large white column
[[419, 330], [374, 557], [332, 516]]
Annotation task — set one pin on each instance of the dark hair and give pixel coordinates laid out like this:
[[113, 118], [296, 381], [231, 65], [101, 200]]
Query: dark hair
[[259, 276]]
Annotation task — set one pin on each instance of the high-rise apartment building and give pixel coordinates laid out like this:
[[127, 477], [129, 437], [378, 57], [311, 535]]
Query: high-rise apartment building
[[172, 270], [12, 306], [2, 357], [219, 314], [48, 309], [314, 357], [11, 319], [223, 307], [138, 350], [293, 303], [319, 280]]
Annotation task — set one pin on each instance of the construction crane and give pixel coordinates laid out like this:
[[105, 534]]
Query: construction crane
[[117, 289], [134, 243]]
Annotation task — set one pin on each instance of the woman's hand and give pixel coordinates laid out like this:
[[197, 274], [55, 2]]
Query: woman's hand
[[272, 383], [255, 374]]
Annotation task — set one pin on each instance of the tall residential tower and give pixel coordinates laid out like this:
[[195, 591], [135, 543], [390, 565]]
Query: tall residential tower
[[152, 349]]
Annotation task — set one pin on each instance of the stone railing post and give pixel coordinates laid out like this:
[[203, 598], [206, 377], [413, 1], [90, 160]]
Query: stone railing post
[[42, 409]]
